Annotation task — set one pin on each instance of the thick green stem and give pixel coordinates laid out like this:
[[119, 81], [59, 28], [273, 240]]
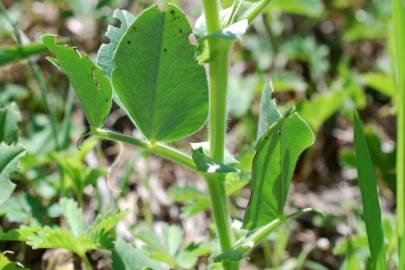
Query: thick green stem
[[162, 150], [398, 9], [218, 80]]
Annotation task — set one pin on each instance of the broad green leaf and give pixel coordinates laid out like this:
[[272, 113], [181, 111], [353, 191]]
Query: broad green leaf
[[89, 82], [268, 113], [368, 187], [10, 117], [9, 158], [311, 8], [165, 95], [105, 55], [15, 53], [277, 152], [6, 264], [126, 257], [208, 165], [73, 216]]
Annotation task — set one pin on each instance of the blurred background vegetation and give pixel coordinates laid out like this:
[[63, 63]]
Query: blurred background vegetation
[[324, 57]]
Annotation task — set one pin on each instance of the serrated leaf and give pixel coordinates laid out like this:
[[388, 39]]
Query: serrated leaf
[[9, 158], [48, 237], [89, 82], [126, 257], [268, 113], [208, 165], [102, 230], [106, 52], [165, 95], [73, 216], [368, 187], [277, 152], [10, 117]]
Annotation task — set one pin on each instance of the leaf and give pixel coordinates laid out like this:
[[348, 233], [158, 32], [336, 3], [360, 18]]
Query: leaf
[[165, 95], [368, 187], [268, 113], [311, 8], [208, 165], [229, 159], [10, 117], [126, 257], [277, 152], [89, 82], [381, 82], [9, 158], [172, 237], [103, 228], [16, 53], [106, 52], [6, 264], [74, 216], [47, 237]]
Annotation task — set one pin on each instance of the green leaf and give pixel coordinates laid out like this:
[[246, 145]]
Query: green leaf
[[9, 158], [165, 95], [268, 113], [172, 237], [105, 55], [6, 264], [368, 187], [10, 117], [103, 228], [126, 257], [229, 159], [381, 82], [74, 217], [47, 237], [277, 152], [311, 8], [208, 165], [91, 85], [15, 53]]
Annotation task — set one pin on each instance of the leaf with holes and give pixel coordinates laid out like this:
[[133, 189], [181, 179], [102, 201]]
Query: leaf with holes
[[160, 84], [91, 85]]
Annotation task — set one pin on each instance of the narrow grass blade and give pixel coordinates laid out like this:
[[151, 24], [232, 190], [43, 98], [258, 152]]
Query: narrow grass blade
[[398, 13], [368, 188]]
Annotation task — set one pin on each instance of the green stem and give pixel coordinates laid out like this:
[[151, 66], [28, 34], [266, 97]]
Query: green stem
[[218, 80], [255, 11], [398, 9], [162, 150], [86, 262]]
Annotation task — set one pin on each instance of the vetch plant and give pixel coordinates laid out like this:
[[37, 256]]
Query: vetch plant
[[156, 76]]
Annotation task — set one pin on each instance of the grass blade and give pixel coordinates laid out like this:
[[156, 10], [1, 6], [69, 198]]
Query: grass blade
[[398, 9], [368, 188]]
